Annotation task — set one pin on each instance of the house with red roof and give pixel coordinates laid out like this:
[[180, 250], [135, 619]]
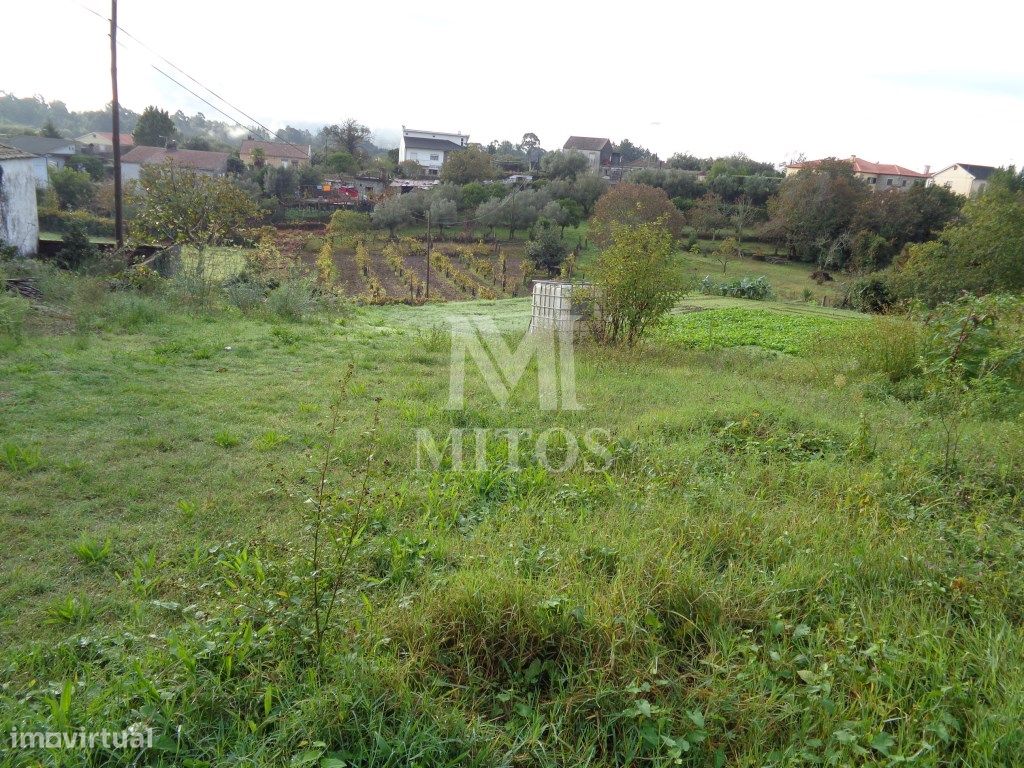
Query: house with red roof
[[206, 163], [876, 175]]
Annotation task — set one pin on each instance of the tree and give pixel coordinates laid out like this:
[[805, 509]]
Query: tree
[[743, 216], [572, 213], [341, 162], [634, 282], [899, 217], [687, 162], [980, 254], [488, 213], [180, 205], [630, 151], [587, 190], [234, 164], [198, 142], [391, 213], [475, 193], [443, 213], [410, 169], [467, 165], [632, 204], [90, 164], [282, 183], [73, 188], [817, 206], [529, 141], [726, 251], [706, 215], [547, 252], [349, 136], [49, 130], [564, 165], [155, 128]]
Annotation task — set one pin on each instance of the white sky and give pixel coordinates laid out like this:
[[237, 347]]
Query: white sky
[[898, 81]]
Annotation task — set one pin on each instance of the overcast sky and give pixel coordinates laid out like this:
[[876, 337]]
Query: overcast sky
[[898, 81]]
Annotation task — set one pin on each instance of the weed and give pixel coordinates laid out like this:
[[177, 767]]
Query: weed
[[270, 440], [20, 459], [73, 611], [226, 439], [91, 551]]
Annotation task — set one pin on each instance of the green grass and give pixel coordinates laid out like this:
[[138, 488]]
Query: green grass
[[740, 326], [773, 569]]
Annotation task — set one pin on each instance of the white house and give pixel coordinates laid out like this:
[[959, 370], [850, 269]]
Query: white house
[[963, 178], [429, 148], [50, 153], [206, 163], [19, 219]]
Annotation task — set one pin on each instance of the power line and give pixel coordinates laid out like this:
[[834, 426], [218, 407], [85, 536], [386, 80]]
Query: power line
[[197, 82]]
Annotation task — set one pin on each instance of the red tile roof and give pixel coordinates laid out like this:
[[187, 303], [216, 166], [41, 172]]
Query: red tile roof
[[863, 166], [193, 158], [277, 149]]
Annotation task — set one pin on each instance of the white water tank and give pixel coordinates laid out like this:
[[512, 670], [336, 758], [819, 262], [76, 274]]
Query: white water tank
[[553, 306]]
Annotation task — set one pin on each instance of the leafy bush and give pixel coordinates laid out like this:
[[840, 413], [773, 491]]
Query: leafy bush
[[292, 300], [246, 292], [886, 345], [77, 249], [635, 283], [872, 293], [141, 278], [756, 288], [53, 220]]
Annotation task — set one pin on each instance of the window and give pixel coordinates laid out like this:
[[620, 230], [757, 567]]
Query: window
[[435, 157], [903, 183], [872, 180], [888, 182]]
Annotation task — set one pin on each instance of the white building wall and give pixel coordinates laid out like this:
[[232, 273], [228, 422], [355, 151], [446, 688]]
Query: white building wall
[[19, 218], [958, 180]]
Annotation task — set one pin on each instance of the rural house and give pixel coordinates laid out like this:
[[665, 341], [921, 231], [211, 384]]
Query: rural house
[[53, 152], [429, 148], [102, 143], [600, 153], [963, 178], [207, 163], [877, 175], [19, 218], [276, 154]]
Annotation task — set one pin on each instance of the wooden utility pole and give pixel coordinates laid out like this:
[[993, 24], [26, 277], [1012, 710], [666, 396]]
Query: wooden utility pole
[[429, 243], [116, 125]]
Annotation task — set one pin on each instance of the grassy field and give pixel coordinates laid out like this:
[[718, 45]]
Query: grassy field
[[770, 566]]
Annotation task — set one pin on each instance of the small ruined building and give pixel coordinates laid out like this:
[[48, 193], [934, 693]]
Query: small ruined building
[[19, 218], [604, 160]]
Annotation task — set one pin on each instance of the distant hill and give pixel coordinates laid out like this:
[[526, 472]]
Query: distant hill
[[29, 114]]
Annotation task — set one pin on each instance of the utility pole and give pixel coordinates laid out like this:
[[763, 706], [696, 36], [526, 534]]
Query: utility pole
[[116, 125], [429, 244]]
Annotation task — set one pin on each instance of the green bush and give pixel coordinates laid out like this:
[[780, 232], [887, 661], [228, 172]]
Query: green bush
[[873, 293], [756, 288], [245, 292], [77, 249], [62, 221], [292, 300]]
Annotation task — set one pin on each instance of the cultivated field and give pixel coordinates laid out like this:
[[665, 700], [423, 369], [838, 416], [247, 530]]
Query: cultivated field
[[774, 566]]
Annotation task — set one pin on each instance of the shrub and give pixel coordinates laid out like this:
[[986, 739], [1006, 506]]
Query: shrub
[[77, 250], [635, 283], [292, 300], [872, 293], [548, 251], [755, 288], [245, 292], [52, 220]]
